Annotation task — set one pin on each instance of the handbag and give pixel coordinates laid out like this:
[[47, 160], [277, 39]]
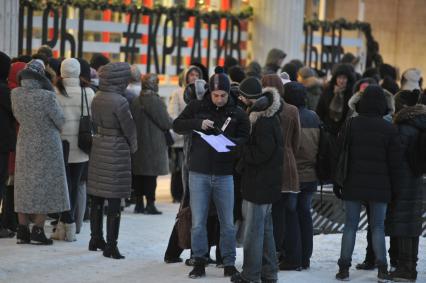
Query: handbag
[[85, 129], [184, 225], [342, 165]]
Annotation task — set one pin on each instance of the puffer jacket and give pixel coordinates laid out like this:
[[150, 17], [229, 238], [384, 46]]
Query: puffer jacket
[[404, 217], [110, 163], [261, 161], [374, 151]]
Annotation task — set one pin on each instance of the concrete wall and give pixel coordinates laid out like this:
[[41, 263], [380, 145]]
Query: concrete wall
[[9, 10], [398, 25], [276, 24]]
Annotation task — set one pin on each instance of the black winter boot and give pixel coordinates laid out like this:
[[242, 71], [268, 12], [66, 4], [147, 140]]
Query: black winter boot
[[403, 275], [151, 209], [199, 269], [23, 235], [140, 206], [38, 237], [343, 274], [366, 265], [113, 226], [229, 271], [383, 274], [97, 240], [237, 278]]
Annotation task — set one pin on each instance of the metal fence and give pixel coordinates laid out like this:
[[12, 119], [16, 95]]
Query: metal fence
[[328, 213]]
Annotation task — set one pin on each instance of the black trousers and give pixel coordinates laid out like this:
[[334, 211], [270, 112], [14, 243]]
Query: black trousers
[[176, 186], [8, 215], [4, 159], [114, 204], [145, 186], [175, 161], [74, 174], [404, 251]]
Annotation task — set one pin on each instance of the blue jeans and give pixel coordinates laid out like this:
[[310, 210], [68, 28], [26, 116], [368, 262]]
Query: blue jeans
[[202, 187], [304, 204], [292, 237], [377, 220], [260, 259]]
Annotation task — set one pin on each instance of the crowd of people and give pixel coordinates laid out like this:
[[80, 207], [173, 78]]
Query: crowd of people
[[288, 129]]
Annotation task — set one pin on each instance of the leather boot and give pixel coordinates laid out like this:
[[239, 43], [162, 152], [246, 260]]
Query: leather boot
[[23, 234], [383, 274], [113, 226], [151, 209], [140, 206], [343, 274], [199, 269], [96, 227], [38, 237]]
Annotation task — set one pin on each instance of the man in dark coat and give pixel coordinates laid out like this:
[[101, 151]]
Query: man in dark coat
[[210, 172], [373, 161], [261, 168], [404, 218], [7, 130]]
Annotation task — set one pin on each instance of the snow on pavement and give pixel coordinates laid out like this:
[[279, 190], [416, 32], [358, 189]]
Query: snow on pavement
[[143, 240]]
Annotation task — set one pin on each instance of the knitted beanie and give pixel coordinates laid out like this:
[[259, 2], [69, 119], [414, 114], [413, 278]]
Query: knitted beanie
[[219, 81], [295, 94], [70, 68], [251, 88], [36, 65]]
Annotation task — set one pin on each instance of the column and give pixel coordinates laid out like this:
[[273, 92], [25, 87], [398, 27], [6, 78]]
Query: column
[[277, 24], [9, 12]]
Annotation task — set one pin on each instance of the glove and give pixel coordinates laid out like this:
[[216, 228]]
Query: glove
[[337, 190]]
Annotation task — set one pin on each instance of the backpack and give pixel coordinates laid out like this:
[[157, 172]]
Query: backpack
[[417, 154]]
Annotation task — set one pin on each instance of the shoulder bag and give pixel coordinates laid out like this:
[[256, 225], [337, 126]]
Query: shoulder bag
[[85, 129]]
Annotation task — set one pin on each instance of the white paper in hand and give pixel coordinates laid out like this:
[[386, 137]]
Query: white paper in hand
[[219, 142]]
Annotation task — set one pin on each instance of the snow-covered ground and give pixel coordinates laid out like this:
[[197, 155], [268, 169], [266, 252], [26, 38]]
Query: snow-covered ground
[[143, 240]]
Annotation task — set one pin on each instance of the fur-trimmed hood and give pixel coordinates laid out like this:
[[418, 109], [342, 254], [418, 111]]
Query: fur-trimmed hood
[[413, 115], [272, 109], [31, 79], [390, 102]]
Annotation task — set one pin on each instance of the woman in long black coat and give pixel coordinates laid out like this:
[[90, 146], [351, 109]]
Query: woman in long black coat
[[404, 218], [374, 157]]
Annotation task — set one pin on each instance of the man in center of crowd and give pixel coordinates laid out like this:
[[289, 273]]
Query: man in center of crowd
[[210, 172]]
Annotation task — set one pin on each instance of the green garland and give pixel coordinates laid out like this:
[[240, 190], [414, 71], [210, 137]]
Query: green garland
[[340, 23], [118, 6], [373, 54]]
